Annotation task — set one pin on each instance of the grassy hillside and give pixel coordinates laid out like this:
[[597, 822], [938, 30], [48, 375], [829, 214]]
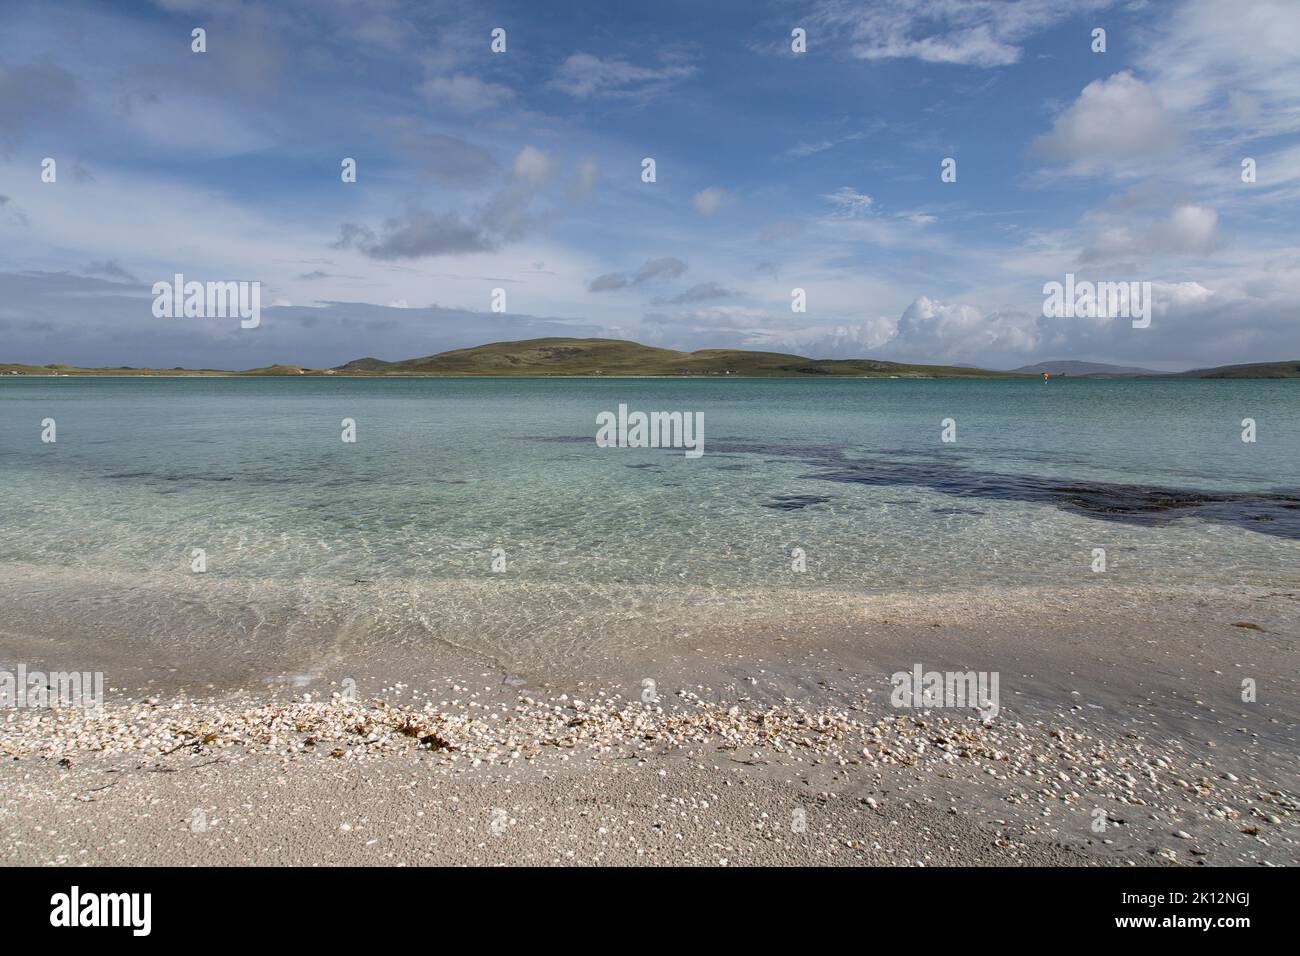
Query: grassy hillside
[[1254, 370], [562, 356]]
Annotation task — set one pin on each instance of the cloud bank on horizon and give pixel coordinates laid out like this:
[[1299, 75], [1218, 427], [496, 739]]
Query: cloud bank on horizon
[[524, 169]]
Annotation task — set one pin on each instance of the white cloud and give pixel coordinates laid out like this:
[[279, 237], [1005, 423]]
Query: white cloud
[[1193, 326], [583, 75], [532, 165], [1231, 65], [918, 218], [954, 332], [855, 217], [1188, 230], [708, 202], [975, 46], [848, 202], [1113, 120], [466, 94], [983, 33], [1173, 296], [801, 150], [839, 340]]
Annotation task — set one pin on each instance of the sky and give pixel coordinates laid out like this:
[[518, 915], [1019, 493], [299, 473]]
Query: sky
[[775, 170]]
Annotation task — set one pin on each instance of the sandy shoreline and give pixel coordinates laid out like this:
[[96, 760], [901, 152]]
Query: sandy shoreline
[[571, 781], [1126, 718]]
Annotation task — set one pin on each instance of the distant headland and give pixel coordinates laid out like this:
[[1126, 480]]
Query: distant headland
[[615, 357]]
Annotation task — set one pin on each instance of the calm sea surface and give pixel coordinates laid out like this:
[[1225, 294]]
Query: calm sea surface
[[396, 533]]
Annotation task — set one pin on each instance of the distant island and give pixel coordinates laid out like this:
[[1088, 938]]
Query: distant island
[[1077, 369], [615, 357]]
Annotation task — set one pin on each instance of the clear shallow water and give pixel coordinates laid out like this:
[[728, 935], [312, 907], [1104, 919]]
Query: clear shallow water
[[445, 470]]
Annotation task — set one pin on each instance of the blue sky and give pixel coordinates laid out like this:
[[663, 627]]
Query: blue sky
[[775, 170]]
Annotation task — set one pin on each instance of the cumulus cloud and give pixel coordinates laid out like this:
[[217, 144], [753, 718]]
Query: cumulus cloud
[[1115, 119], [1175, 296], [954, 331], [1188, 230], [1192, 325]]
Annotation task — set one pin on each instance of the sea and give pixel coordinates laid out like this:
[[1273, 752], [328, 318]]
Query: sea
[[481, 514]]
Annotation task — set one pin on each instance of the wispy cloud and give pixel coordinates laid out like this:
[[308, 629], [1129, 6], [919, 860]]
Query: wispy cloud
[[980, 33], [584, 75]]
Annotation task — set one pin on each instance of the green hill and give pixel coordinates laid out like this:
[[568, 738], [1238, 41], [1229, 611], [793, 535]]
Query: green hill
[[1253, 370], [562, 356], [277, 369], [365, 365]]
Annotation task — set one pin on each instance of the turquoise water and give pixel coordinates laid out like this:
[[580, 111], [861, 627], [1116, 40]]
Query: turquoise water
[[443, 471]]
